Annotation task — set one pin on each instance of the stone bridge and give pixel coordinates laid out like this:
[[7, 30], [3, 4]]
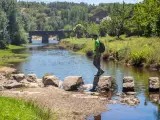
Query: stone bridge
[[45, 35]]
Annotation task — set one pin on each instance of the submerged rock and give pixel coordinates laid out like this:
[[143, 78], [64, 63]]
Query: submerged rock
[[72, 83], [50, 80], [130, 100]]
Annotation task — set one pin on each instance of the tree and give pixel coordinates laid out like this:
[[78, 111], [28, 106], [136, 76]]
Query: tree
[[3, 30], [92, 28], [79, 30]]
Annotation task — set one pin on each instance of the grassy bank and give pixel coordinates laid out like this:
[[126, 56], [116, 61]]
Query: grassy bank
[[13, 109], [134, 50], [8, 56]]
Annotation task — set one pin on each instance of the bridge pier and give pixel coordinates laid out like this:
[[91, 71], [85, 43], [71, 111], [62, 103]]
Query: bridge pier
[[45, 38]]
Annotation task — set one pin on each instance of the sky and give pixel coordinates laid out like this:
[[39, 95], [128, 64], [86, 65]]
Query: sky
[[88, 1]]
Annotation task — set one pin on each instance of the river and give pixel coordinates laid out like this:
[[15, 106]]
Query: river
[[63, 63]]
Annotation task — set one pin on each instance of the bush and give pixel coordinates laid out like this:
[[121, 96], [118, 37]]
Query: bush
[[122, 53], [77, 47], [138, 58]]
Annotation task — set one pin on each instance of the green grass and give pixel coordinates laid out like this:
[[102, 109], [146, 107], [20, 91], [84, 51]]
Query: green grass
[[8, 56], [13, 109], [135, 49]]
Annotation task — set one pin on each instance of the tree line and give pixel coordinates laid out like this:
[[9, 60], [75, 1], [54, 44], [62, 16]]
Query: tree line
[[18, 18]]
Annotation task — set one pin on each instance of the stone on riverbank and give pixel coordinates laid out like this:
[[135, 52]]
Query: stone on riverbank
[[50, 80], [12, 84], [31, 77], [128, 84], [17, 77], [72, 83], [154, 84], [105, 83]]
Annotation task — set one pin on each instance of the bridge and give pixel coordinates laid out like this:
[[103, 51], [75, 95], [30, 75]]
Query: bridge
[[45, 35]]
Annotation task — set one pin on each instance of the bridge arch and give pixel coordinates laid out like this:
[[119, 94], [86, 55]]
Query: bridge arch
[[45, 35]]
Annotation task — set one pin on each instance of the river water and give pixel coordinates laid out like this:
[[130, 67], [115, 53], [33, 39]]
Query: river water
[[63, 63]]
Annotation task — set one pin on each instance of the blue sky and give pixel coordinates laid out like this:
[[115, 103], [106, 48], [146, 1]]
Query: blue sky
[[89, 1]]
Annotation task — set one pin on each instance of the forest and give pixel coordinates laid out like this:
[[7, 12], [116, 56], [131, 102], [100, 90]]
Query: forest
[[18, 18]]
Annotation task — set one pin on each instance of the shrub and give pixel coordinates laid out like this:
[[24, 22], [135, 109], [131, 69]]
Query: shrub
[[122, 53], [77, 47]]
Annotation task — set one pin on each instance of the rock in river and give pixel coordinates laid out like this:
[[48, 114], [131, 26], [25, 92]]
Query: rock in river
[[154, 84], [105, 83], [50, 80], [128, 84], [72, 83]]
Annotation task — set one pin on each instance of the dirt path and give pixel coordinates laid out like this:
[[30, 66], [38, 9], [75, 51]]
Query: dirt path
[[68, 105]]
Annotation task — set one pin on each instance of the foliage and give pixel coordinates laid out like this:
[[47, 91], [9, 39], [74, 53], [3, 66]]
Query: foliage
[[92, 28], [146, 51], [79, 30]]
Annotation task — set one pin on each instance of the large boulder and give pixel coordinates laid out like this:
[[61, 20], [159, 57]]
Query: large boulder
[[128, 84], [154, 84], [18, 77], [31, 77], [105, 83], [50, 80], [12, 84], [72, 83]]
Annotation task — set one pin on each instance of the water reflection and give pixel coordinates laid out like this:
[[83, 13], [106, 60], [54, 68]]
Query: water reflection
[[97, 117]]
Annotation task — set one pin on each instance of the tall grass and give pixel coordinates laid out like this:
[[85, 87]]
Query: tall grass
[[138, 50], [13, 109]]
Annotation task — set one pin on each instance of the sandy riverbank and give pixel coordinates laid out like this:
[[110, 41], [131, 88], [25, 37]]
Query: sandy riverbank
[[67, 105]]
